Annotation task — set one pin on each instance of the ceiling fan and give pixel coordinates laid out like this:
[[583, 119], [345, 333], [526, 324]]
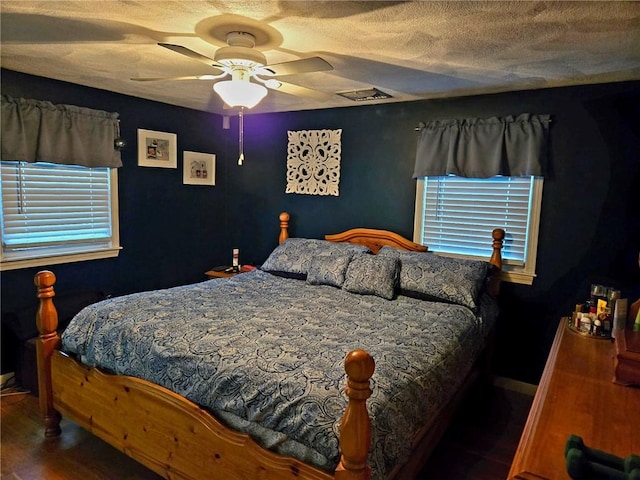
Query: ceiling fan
[[250, 74]]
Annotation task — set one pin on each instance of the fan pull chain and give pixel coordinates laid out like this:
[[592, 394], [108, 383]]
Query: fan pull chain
[[241, 135]]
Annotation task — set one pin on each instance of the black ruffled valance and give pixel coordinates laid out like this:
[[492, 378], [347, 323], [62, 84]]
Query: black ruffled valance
[[483, 148], [38, 131]]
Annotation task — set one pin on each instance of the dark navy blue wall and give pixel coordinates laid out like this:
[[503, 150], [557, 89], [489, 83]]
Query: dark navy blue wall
[[590, 227], [171, 233]]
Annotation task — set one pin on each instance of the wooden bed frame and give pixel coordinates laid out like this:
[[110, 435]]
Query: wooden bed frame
[[179, 440]]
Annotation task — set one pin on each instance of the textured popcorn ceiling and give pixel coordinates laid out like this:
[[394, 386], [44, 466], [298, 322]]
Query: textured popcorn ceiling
[[412, 50]]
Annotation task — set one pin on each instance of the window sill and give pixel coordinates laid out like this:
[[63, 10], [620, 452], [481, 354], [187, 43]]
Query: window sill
[[517, 277], [58, 259]]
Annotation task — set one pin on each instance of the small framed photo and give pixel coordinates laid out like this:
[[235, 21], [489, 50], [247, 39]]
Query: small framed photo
[[157, 149], [199, 169]]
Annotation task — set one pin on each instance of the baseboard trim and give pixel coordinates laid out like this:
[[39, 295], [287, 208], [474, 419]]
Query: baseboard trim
[[515, 385]]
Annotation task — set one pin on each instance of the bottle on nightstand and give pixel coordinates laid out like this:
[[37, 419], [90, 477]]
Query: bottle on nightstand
[[235, 265]]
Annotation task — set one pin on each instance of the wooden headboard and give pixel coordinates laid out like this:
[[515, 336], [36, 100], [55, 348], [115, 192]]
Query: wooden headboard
[[371, 238], [376, 239]]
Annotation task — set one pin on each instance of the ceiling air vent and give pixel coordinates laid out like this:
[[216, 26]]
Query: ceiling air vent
[[365, 95]]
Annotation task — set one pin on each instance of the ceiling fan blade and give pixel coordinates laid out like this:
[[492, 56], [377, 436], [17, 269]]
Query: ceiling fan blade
[[299, 91], [191, 54], [190, 77], [304, 65]]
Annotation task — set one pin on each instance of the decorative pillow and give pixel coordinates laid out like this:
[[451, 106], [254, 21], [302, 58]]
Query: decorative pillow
[[372, 275], [433, 277], [294, 255], [328, 270]]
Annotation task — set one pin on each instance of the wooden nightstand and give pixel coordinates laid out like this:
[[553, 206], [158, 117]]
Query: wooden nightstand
[[223, 274]]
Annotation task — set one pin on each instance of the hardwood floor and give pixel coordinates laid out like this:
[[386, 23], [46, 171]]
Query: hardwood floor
[[483, 438], [479, 445], [75, 455]]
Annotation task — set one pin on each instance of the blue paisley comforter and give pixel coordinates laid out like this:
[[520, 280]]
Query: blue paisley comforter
[[265, 355]]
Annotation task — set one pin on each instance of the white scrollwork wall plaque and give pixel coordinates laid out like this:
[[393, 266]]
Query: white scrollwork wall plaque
[[313, 162]]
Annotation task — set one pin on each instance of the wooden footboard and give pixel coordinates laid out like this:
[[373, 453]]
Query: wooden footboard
[[162, 430], [171, 435]]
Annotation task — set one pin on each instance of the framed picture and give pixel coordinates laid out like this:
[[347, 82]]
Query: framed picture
[[157, 149], [199, 169]]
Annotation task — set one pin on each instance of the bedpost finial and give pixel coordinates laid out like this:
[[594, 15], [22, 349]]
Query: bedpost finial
[[359, 366], [46, 315], [44, 279], [284, 227], [355, 429], [496, 257]]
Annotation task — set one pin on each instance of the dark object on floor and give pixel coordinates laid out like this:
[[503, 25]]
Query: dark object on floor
[[19, 331], [591, 464]]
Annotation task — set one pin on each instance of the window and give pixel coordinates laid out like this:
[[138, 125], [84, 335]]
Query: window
[[455, 217], [55, 213]]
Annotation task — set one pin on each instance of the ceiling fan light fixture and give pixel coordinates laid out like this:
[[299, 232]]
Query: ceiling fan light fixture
[[229, 56], [239, 93], [240, 51]]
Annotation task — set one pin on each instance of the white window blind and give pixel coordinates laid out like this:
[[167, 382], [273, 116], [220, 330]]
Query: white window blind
[[52, 205], [460, 214], [456, 215]]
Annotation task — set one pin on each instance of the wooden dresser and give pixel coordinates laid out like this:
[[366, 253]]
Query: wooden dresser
[[577, 396], [225, 274]]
